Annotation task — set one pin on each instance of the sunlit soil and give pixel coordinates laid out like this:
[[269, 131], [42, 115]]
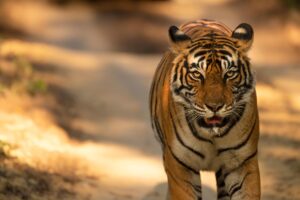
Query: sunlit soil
[[46, 148]]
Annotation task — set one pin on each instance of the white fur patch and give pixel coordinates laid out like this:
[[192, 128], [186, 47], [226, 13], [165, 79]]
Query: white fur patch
[[216, 130], [179, 32], [241, 30]]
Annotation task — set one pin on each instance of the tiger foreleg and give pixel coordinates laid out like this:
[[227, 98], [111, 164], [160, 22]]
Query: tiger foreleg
[[183, 183], [242, 183]]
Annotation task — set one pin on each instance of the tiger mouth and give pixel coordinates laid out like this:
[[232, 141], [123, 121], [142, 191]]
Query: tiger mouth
[[214, 121]]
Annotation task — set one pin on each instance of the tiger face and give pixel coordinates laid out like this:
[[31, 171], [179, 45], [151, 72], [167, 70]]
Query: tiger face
[[211, 75]]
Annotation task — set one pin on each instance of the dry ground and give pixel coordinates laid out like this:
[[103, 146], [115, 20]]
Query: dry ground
[[89, 137]]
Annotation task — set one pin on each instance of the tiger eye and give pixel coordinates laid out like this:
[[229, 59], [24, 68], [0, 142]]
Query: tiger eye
[[197, 74], [230, 73]]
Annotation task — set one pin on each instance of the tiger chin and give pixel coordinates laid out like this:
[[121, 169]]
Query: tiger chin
[[204, 111]]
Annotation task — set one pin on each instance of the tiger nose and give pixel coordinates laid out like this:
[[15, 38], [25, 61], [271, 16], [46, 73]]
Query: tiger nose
[[214, 106]]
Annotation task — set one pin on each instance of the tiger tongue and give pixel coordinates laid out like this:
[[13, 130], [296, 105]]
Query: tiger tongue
[[214, 120]]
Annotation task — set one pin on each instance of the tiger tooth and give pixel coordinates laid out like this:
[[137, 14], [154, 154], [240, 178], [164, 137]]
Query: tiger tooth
[[216, 130]]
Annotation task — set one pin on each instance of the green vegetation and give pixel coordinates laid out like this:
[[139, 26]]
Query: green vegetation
[[291, 4], [18, 75], [36, 86], [4, 149]]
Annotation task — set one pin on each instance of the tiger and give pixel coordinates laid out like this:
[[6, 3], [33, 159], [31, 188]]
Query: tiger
[[204, 111]]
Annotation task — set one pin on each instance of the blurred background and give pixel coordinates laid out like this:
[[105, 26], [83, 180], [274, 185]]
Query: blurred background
[[74, 83]]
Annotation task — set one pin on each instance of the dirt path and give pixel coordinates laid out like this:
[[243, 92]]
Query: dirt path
[[110, 131]]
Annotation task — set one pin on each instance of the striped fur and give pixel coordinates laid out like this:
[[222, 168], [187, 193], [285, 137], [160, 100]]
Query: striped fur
[[204, 111]]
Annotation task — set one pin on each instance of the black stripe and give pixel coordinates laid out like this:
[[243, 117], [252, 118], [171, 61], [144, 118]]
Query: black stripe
[[183, 79], [241, 164], [169, 173], [225, 58], [236, 187], [181, 87], [216, 37], [197, 188], [194, 132], [224, 52], [186, 80], [201, 59], [182, 142], [181, 75], [159, 131], [249, 79], [225, 42], [221, 42], [200, 53], [240, 144], [195, 47], [209, 60], [208, 46], [242, 72], [230, 47], [220, 180], [186, 64], [182, 163], [232, 64], [222, 194], [220, 184], [175, 178], [198, 41], [219, 173], [176, 72], [204, 40]]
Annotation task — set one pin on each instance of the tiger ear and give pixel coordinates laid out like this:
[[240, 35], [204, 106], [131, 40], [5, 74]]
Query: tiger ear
[[244, 35], [179, 40]]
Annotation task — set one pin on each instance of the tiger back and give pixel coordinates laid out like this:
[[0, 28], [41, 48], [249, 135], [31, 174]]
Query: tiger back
[[204, 111]]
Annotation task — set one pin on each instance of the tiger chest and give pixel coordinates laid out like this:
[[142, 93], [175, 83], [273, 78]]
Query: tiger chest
[[197, 154]]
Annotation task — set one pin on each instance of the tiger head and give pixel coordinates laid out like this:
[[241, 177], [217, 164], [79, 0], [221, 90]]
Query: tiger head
[[211, 75]]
